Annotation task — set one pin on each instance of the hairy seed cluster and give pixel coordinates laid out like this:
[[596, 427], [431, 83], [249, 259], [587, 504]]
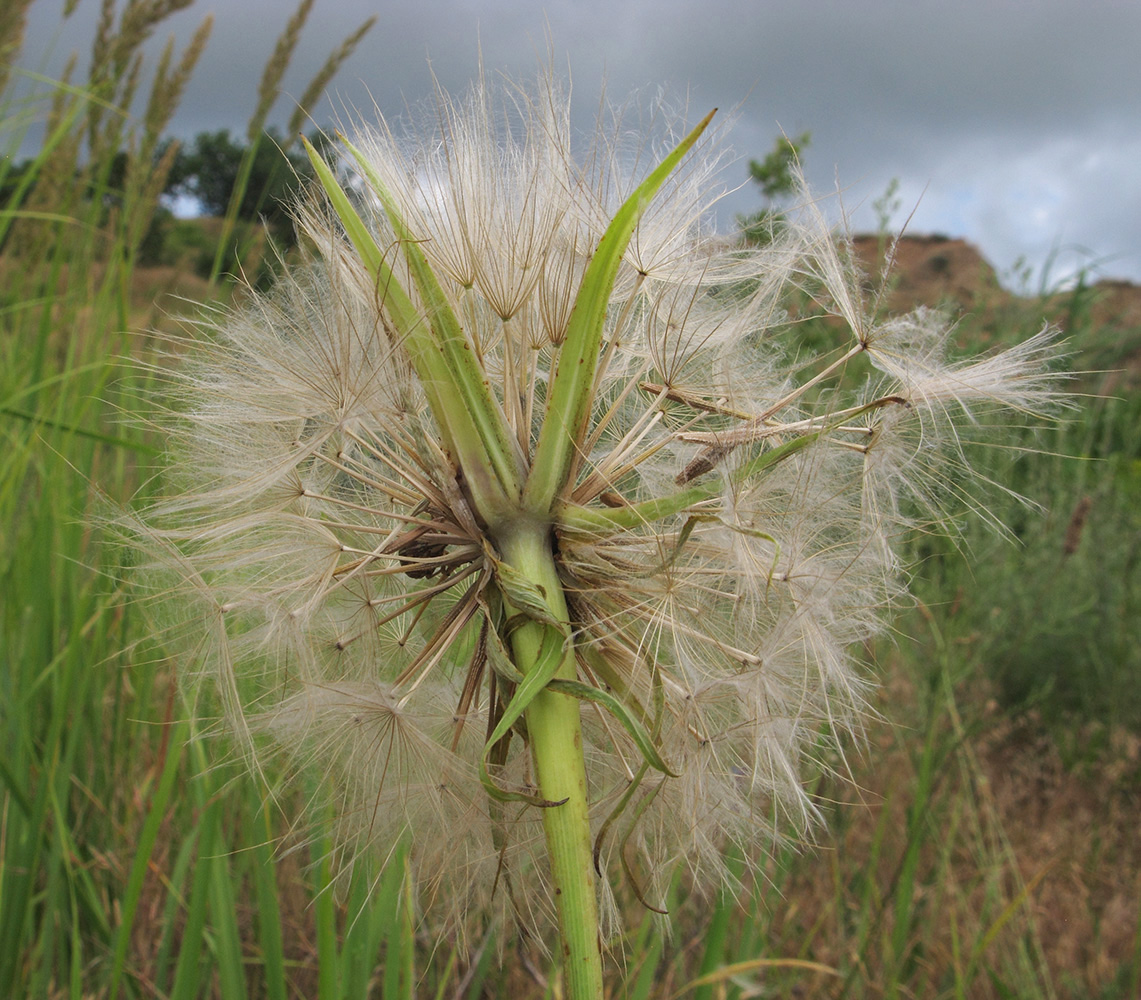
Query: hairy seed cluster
[[727, 533]]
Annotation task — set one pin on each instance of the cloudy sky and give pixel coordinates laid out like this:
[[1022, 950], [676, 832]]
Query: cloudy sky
[[1013, 123]]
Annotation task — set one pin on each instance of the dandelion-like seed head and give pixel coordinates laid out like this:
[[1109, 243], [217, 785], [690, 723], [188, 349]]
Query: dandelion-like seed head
[[394, 502]]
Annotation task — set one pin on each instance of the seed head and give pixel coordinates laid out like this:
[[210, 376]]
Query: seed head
[[725, 535]]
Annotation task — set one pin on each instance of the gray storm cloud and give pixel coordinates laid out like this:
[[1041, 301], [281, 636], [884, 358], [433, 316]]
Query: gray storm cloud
[[1013, 124]]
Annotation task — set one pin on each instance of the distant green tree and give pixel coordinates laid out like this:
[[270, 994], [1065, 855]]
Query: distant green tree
[[776, 175], [209, 169]]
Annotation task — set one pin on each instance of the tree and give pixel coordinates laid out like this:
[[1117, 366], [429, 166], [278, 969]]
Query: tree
[[211, 168], [777, 176]]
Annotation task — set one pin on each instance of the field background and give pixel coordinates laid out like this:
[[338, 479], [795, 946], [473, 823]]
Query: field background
[[986, 842]]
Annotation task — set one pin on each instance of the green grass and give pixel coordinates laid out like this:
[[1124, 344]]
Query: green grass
[[1056, 614], [134, 863]]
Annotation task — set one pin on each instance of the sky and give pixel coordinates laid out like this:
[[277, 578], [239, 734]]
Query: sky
[[1015, 124]]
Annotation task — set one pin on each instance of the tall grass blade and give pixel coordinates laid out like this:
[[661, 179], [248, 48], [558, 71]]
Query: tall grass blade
[[269, 913], [159, 805]]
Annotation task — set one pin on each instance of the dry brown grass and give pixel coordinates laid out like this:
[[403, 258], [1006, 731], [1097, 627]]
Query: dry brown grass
[[1031, 857], [1080, 824]]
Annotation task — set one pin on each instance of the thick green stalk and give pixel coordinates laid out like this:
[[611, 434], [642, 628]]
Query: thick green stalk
[[556, 748]]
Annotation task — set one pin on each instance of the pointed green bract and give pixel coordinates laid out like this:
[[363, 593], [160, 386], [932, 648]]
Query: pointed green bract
[[642, 739], [397, 302], [451, 382], [575, 518], [470, 380], [534, 681], [357, 231], [572, 387]]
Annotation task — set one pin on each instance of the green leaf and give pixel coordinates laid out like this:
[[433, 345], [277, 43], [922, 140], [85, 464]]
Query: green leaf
[[267, 893], [570, 399], [82, 432], [535, 681], [467, 375], [146, 842], [638, 733]]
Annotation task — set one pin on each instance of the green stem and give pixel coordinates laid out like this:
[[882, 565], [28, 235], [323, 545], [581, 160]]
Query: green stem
[[556, 748]]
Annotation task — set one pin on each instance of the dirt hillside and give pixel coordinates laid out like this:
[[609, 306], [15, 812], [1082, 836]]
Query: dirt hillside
[[940, 271], [951, 274]]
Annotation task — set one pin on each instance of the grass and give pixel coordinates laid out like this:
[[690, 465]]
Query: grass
[[984, 847]]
